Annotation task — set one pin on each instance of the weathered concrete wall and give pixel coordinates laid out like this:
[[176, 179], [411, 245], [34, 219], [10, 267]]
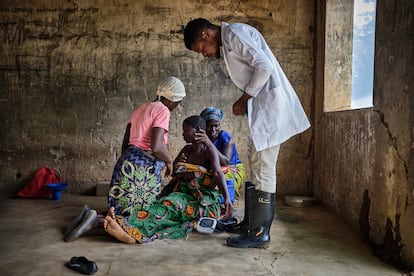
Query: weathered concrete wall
[[364, 158], [72, 71], [338, 60]]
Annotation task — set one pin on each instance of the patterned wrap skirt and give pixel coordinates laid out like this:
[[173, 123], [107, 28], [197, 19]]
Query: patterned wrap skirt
[[136, 181], [174, 214], [237, 173]]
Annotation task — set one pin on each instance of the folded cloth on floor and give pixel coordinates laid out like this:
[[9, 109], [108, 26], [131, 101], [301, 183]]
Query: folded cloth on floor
[[36, 187], [83, 265]]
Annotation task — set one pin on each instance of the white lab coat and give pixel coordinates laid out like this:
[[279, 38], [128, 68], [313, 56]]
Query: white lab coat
[[275, 113]]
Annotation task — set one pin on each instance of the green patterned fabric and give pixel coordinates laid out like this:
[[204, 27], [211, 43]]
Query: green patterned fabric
[[173, 215]]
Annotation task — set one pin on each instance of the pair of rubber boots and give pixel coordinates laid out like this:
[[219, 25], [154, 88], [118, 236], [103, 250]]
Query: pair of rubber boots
[[259, 211]]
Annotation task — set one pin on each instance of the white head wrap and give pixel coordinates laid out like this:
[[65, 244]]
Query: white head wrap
[[172, 89]]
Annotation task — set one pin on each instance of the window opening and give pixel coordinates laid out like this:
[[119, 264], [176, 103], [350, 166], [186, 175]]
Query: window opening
[[349, 54]]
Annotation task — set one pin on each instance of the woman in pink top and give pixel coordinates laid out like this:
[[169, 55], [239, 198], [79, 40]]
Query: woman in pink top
[[136, 179]]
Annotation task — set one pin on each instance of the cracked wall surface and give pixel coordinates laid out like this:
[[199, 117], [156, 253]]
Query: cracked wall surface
[[364, 158], [71, 72]]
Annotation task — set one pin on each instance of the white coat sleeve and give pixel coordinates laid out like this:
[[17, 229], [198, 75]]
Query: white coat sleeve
[[247, 47]]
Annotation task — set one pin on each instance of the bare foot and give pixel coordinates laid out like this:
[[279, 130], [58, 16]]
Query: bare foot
[[111, 212], [116, 231]]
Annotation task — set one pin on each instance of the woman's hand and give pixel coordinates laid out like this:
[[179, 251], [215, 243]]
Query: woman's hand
[[168, 169], [228, 209]]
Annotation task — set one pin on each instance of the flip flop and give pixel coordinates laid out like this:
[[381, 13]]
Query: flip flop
[[76, 221], [84, 226], [83, 265]]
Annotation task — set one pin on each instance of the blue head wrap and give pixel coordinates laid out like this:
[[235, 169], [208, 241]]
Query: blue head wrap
[[212, 113]]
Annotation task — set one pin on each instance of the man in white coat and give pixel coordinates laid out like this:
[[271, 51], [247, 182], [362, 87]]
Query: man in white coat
[[274, 114]]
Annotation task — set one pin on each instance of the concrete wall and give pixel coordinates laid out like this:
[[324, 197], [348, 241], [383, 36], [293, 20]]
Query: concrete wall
[[338, 60], [364, 159], [72, 71]]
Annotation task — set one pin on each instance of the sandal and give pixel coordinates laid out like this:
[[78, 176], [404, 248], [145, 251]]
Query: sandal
[[83, 265]]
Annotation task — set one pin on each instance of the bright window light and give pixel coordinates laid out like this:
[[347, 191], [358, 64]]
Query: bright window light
[[363, 53]]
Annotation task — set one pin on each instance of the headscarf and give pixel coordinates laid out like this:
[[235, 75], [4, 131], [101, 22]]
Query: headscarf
[[212, 113], [172, 89]]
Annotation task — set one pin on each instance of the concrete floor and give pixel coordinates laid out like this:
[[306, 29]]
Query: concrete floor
[[305, 241]]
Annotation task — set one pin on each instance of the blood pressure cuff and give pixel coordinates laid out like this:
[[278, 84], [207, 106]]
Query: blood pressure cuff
[[212, 225]]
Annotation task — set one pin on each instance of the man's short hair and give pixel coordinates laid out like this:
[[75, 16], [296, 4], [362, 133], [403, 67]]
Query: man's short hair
[[193, 30]]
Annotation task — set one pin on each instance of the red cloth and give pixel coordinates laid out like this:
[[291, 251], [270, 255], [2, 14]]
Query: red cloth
[[37, 185]]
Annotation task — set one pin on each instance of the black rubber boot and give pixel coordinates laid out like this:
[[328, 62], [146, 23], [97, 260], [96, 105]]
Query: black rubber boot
[[260, 217], [241, 227]]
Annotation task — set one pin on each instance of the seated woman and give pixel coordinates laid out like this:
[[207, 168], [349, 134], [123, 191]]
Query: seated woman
[[192, 193], [227, 151], [136, 178]]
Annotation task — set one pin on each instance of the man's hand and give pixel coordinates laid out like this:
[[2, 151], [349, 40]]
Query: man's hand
[[240, 106]]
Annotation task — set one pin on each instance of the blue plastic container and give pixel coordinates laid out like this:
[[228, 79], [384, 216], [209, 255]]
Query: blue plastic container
[[230, 188], [57, 189]]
